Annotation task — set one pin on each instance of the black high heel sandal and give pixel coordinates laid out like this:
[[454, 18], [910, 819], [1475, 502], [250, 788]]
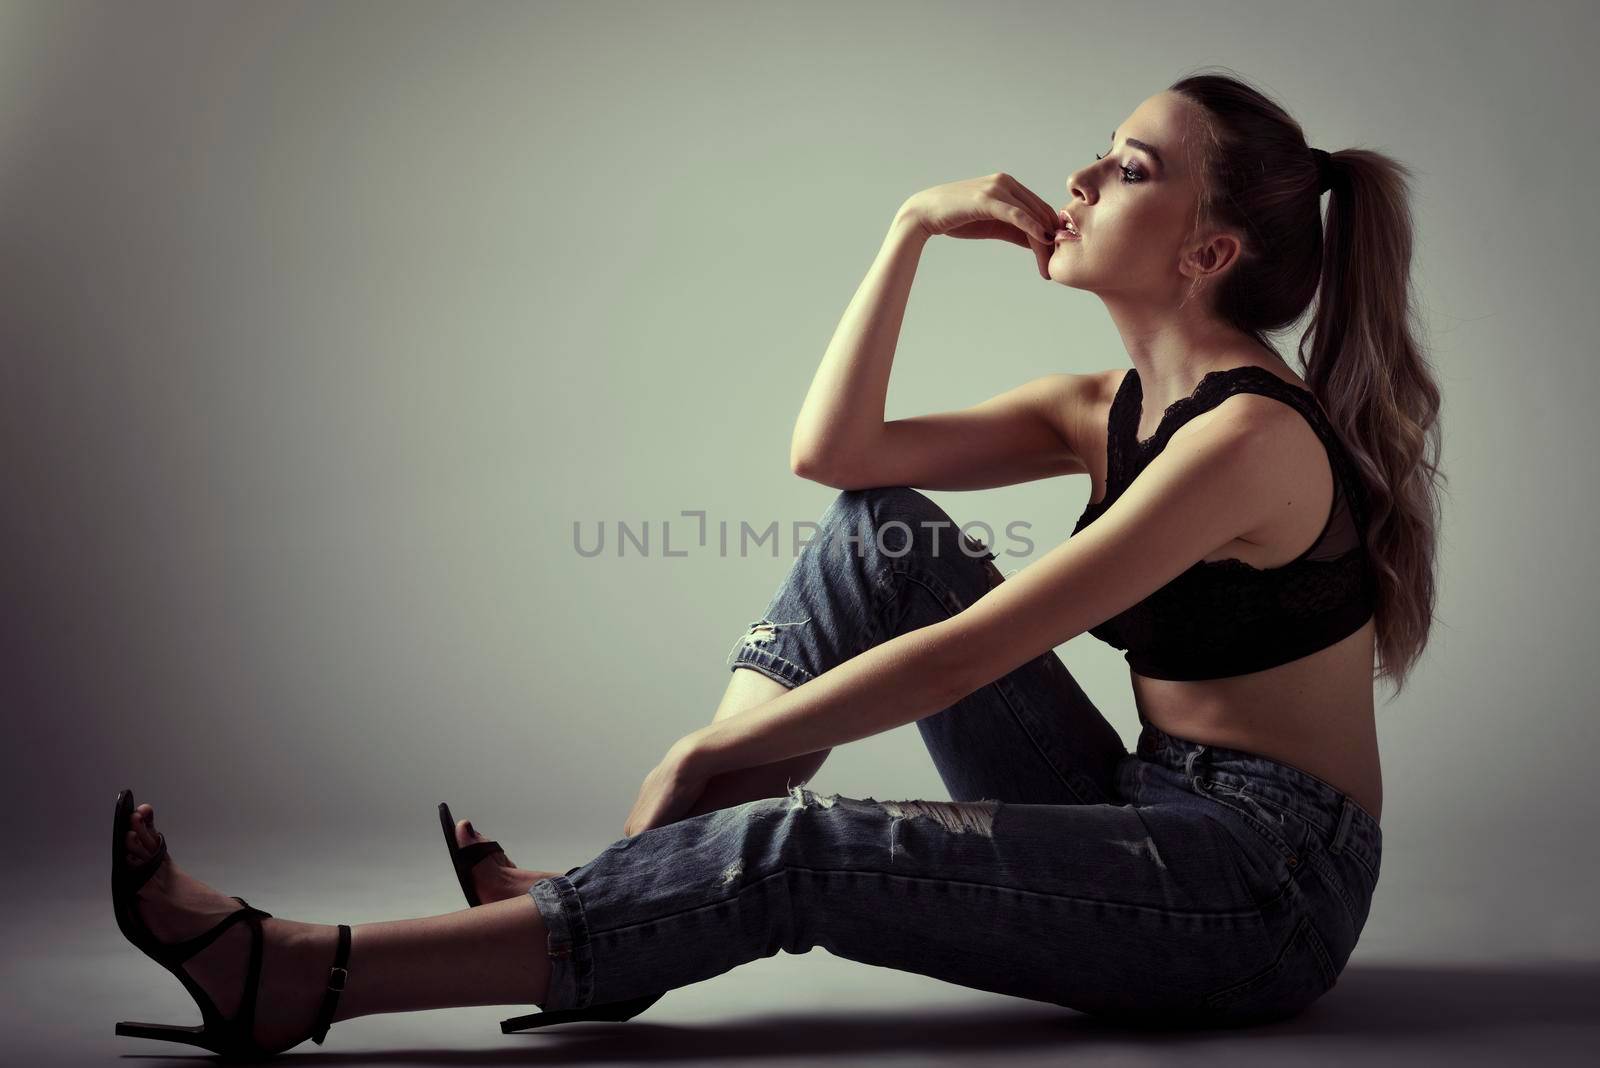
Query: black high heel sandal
[[462, 859], [616, 1011], [228, 1038]]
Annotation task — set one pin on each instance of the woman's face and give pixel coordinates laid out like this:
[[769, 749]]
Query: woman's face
[[1135, 207]]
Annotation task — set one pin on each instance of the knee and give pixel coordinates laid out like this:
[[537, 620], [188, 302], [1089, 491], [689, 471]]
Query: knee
[[880, 505], [898, 521]]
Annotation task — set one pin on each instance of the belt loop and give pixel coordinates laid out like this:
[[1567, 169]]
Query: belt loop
[[1188, 761], [1347, 811]]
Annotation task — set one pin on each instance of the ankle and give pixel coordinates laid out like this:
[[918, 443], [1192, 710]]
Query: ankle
[[312, 943], [310, 948]]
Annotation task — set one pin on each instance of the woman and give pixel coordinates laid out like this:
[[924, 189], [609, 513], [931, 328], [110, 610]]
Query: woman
[[1254, 541]]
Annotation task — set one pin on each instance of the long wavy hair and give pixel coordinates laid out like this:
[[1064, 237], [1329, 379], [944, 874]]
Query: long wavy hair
[[1361, 359]]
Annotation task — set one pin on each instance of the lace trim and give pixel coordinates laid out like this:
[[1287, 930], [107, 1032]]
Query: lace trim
[[1213, 388]]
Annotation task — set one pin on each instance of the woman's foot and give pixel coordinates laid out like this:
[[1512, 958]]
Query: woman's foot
[[494, 877], [295, 956]]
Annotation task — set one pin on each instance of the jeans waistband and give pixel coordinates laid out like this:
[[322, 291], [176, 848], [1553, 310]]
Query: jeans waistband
[[1345, 826]]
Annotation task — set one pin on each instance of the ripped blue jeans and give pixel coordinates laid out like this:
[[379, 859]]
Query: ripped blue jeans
[[1181, 884]]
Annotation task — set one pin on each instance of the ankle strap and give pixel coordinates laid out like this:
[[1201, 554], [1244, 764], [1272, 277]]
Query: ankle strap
[[338, 975]]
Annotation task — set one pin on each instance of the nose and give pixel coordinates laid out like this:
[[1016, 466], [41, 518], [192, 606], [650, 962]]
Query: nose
[[1079, 187]]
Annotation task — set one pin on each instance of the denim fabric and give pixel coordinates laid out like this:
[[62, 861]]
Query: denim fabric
[[1181, 883]]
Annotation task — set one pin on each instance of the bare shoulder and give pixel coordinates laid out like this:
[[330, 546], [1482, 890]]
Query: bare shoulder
[[1272, 424], [1280, 453], [1100, 389], [1266, 422], [1080, 402]]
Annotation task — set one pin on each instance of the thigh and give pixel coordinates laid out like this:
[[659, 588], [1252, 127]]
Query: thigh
[[1106, 908]]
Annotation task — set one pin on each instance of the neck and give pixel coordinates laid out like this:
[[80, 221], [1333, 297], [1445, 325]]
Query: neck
[[1172, 349]]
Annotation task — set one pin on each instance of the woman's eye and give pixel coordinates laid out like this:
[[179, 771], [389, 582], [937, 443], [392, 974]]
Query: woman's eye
[[1130, 175]]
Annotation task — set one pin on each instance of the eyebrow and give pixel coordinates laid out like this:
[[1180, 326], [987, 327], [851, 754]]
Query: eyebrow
[[1142, 146]]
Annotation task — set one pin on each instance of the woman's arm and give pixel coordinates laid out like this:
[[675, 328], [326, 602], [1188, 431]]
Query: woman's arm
[[843, 409], [897, 681], [1219, 478]]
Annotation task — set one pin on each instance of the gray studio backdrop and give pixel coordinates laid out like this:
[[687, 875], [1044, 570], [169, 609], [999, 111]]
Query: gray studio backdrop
[[325, 323]]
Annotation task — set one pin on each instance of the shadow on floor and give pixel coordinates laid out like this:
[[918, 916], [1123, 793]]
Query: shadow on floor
[[1435, 1007]]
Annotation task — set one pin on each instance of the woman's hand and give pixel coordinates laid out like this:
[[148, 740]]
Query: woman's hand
[[669, 791], [994, 206]]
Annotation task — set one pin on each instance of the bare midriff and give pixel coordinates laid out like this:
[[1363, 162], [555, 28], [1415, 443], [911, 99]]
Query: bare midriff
[[1315, 714]]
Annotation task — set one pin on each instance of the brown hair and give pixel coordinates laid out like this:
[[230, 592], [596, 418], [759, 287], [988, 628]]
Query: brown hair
[[1258, 176]]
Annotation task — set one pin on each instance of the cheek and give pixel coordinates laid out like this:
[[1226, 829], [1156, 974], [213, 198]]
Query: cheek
[[1144, 236]]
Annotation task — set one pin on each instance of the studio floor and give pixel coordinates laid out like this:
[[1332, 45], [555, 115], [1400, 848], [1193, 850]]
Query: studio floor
[[69, 977]]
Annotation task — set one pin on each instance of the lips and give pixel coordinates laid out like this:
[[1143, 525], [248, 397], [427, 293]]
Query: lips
[[1069, 227]]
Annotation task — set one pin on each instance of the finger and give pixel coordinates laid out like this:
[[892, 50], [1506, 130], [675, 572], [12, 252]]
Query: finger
[[1007, 207], [1040, 207], [1025, 221], [1042, 254]]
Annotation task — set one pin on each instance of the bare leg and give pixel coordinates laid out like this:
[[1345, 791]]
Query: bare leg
[[491, 955], [747, 689]]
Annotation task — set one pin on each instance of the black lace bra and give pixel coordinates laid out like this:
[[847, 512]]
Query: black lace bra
[[1227, 617]]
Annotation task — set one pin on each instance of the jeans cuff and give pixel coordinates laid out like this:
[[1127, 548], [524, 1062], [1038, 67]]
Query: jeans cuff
[[770, 664], [571, 955]]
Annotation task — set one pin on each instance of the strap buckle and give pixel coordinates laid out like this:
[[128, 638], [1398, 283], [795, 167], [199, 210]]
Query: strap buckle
[[342, 975]]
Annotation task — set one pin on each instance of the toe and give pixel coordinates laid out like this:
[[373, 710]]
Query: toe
[[467, 835], [134, 848], [144, 827]]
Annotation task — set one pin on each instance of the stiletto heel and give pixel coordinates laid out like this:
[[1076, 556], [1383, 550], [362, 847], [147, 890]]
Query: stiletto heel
[[166, 1032], [462, 859], [231, 1038], [611, 1011]]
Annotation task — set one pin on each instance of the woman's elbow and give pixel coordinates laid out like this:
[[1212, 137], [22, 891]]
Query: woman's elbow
[[814, 468]]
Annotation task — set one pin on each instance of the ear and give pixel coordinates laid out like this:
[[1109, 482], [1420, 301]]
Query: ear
[[1205, 260]]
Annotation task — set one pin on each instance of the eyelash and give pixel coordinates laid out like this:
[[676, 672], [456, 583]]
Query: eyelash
[[1126, 171]]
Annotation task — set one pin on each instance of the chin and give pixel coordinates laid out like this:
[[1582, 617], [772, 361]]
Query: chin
[[1062, 275]]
